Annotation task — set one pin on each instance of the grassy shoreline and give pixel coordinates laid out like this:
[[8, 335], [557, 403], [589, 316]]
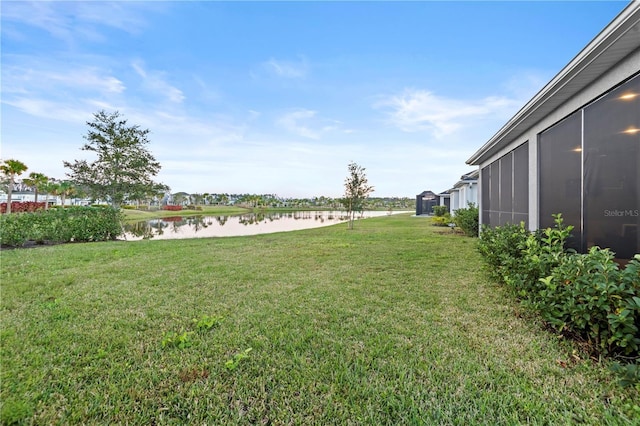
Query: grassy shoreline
[[131, 215], [391, 323], [138, 215]]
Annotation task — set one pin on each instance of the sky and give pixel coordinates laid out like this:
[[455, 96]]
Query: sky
[[279, 97]]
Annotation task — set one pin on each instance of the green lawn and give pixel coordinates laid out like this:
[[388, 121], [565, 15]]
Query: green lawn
[[392, 323]]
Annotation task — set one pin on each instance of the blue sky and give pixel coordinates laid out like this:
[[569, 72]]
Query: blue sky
[[278, 97]]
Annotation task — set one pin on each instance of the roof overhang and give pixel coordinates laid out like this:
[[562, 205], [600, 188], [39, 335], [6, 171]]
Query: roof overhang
[[467, 182], [618, 40]]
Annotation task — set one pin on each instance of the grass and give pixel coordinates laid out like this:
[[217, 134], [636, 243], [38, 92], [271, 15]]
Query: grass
[[391, 323]]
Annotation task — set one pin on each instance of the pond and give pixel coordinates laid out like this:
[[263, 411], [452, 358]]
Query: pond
[[177, 227]]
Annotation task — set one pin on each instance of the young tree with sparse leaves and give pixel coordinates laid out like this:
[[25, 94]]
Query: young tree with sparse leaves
[[356, 191], [124, 167]]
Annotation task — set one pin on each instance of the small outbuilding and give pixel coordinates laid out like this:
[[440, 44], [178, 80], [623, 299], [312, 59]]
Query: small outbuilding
[[425, 201]]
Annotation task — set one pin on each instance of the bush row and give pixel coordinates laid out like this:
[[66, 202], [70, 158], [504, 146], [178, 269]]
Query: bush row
[[583, 295], [20, 207], [61, 225], [466, 219], [172, 208], [439, 211]]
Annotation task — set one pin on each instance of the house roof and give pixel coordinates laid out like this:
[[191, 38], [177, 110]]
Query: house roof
[[473, 175], [426, 193], [619, 39]]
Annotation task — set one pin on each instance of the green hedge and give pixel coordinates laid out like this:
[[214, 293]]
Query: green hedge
[[443, 220], [583, 295], [72, 224], [440, 210], [468, 219]]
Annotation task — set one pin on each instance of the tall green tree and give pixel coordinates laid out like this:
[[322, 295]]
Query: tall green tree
[[11, 169], [356, 191], [123, 168]]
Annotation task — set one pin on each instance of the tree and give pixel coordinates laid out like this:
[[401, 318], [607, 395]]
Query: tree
[[197, 198], [123, 166], [66, 189], [356, 191], [159, 192], [55, 189], [79, 193], [37, 181], [11, 169], [181, 198], [50, 187]]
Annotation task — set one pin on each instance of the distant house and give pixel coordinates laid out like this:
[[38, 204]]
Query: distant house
[[445, 199], [22, 193], [425, 201], [465, 191], [574, 148]]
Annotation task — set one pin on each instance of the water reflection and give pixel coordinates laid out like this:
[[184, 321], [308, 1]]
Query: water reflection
[[177, 227]]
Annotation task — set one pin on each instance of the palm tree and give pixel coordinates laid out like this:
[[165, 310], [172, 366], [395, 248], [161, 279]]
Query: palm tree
[[79, 192], [11, 169], [36, 181], [160, 192], [54, 189], [196, 198], [179, 198], [66, 189], [48, 188]]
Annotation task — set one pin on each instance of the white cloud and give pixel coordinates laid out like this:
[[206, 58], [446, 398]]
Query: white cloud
[[74, 20], [287, 69], [155, 81], [292, 123], [307, 123], [526, 84], [59, 91], [51, 110], [420, 110], [50, 77]]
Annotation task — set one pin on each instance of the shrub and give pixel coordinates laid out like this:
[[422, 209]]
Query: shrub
[[589, 295], [468, 220], [172, 208], [444, 220], [501, 248], [584, 295], [21, 207], [12, 230], [440, 210], [61, 225]]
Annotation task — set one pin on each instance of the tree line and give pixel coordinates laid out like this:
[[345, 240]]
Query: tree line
[[124, 170]]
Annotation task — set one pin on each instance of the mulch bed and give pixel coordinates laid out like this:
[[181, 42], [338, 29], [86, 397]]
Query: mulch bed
[[30, 244]]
